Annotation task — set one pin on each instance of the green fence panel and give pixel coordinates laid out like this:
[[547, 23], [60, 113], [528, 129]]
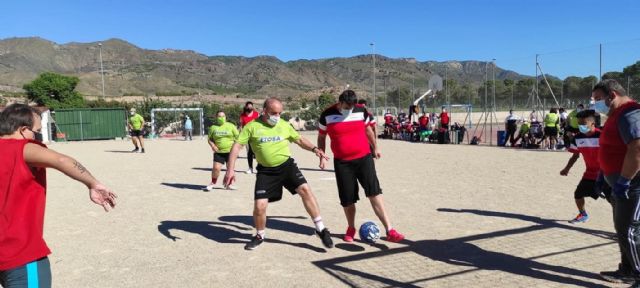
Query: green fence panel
[[91, 123]]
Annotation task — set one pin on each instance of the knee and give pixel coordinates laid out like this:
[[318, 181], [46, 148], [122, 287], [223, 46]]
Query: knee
[[260, 208], [304, 191]]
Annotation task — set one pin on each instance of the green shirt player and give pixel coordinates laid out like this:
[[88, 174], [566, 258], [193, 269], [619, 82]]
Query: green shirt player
[[269, 138], [222, 134], [136, 123]]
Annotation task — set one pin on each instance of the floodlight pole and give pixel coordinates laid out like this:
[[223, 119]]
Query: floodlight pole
[[101, 69], [373, 56]]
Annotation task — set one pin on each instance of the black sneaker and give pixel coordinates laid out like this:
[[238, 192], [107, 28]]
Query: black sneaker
[[255, 242], [135, 150], [142, 150], [325, 235], [618, 276]]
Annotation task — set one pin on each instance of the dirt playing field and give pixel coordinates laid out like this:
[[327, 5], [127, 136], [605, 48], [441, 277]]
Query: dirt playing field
[[473, 216]]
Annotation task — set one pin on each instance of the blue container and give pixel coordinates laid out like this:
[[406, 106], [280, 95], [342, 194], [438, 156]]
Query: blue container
[[502, 137]]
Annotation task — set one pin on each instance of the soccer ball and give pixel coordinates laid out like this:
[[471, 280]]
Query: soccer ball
[[369, 232]]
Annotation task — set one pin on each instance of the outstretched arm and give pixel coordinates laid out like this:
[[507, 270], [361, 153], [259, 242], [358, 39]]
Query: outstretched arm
[[37, 156], [305, 144], [229, 176]]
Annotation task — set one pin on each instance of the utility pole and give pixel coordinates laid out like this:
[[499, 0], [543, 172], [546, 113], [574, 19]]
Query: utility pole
[[373, 56], [101, 69]]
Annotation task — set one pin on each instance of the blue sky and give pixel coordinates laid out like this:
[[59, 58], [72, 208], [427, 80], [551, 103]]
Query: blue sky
[[565, 33]]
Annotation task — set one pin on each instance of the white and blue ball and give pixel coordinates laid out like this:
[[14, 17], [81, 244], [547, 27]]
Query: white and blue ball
[[369, 232]]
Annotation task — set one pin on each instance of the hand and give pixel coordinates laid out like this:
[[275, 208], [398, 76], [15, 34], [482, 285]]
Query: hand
[[378, 154], [229, 178], [564, 172], [621, 188], [323, 163], [215, 148], [102, 196], [321, 154]]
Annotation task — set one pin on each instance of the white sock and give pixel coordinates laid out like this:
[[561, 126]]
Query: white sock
[[262, 233], [318, 222]]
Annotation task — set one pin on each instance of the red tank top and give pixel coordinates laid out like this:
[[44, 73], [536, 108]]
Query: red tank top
[[22, 202], [612, 147]]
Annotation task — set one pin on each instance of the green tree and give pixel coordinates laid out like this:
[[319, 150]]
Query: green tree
[[55, 91]]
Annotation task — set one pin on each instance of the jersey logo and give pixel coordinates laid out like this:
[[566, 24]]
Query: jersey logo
[[221, 133], [336, 118], [270, 139]]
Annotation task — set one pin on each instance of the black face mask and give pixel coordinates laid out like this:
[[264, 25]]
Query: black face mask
[[247, 110]]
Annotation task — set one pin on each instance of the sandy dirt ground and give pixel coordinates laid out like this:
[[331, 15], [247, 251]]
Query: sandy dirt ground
[[473, 216]]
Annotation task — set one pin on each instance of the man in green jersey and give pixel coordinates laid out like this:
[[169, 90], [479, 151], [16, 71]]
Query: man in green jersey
[[269, 137], [222, 134], [136, 123]]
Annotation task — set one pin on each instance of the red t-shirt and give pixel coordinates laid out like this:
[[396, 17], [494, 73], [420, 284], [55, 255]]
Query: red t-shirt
[[245, 119], [22, 200], [588, 147], [444, 118], [612, 147], [388, 118], [348, 133], [424, 121]]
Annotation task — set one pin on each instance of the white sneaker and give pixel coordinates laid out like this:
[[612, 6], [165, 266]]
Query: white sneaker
[[249, 171], [210, 187], [231, 187]]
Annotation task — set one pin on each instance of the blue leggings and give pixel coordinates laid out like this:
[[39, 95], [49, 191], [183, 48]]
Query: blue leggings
[[36, 274]]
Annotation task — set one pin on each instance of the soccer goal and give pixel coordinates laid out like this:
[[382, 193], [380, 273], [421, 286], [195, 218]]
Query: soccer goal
[[169, 122]]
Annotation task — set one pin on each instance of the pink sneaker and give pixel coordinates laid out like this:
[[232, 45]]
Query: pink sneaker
[[351, 233], [394, 236]]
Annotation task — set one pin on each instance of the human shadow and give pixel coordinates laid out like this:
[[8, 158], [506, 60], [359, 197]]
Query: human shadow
[[472, 258], [185, 186], [225, 232], [120, 151], [458, 253], [317, 170], [209, 169], [545, 223], [273, 222]]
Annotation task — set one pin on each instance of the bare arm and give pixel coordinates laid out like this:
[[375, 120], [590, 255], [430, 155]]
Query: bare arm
[[570, 164], [371, 136], [229, 176], [322, 141], [213, 145], [304, 143], [631, 164], [37, 156]]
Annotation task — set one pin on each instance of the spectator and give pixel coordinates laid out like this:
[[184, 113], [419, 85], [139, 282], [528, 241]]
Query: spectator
[[511, 125]]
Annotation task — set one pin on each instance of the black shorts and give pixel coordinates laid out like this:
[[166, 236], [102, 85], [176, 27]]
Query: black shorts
[[221, 158], [270, 180], [349, 173], [586, 188], [135, 133], [551, 131]]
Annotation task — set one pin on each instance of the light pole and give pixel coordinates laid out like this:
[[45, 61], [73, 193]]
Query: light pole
[[101, 69], [373, 56]]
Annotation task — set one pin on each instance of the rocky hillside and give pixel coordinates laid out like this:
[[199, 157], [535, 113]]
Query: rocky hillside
[[133, 71]]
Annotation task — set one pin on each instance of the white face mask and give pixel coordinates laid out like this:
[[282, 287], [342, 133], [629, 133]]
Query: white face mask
[[132, 113], [273, 120]]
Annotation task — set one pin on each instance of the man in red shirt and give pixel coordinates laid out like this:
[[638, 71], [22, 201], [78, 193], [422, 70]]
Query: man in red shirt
[[349, 128], [248, 115], [585, 143], [619, 157], [444, 119], [23, 188]]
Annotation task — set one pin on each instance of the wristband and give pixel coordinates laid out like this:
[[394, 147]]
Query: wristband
[[313, 149]]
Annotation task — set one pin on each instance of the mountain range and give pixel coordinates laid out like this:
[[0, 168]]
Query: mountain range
[[133, 71]]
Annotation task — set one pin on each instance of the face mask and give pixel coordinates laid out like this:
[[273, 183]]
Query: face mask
[[37, 136], [132, 113], [346, 112], [221, 120], [247, 110], [601, 107], [584, 129], [273, 120]]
